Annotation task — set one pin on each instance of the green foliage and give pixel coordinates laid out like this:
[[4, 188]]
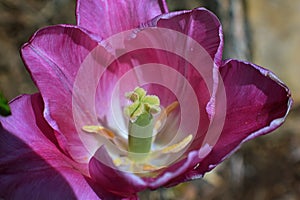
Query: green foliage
[[4, 107]]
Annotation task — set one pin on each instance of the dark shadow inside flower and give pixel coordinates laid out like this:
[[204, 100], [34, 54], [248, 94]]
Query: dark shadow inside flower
[[26, 175], [38, 108], [104, 176]]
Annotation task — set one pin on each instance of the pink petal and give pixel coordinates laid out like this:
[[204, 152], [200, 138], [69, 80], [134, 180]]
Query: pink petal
[[199, 24], [105, 18], [31, 166], [53, 57], [257, 103], [119, 183]]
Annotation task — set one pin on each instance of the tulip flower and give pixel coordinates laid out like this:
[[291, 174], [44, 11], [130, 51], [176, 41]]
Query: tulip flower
[[111, 120]]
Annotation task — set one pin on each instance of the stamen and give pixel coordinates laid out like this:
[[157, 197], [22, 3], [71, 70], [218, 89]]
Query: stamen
[[164, 114], [172, 107], [120, 143], [102, 131], [179, 146], [99, 130], [148, 167], [134, 166]]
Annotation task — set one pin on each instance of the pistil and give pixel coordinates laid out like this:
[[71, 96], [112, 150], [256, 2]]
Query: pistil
[[141, 123]]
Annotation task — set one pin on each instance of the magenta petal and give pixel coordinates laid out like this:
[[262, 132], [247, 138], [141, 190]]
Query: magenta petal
[[199, 24], [31, 166], [105, 18], [53, 57], [257, 103], [121, 184]]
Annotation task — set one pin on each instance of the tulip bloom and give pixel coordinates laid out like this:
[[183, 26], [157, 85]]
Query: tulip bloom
[[43, 152]]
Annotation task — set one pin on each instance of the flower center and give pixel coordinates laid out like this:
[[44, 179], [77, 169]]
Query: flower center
[[146, 119]]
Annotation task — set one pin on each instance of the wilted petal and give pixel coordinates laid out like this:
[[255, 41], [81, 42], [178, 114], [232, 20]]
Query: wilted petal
[[121, 184], [199, 24], [31, 166], [53, 57], [105, 18], [257, 103]]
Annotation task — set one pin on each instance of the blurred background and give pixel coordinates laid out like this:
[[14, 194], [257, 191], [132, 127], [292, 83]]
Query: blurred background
[[266, 32]]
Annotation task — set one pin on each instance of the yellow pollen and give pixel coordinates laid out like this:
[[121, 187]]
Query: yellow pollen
[[117, 162]]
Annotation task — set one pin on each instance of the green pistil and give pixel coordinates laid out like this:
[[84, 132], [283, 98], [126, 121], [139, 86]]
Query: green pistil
[[141, 124]]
